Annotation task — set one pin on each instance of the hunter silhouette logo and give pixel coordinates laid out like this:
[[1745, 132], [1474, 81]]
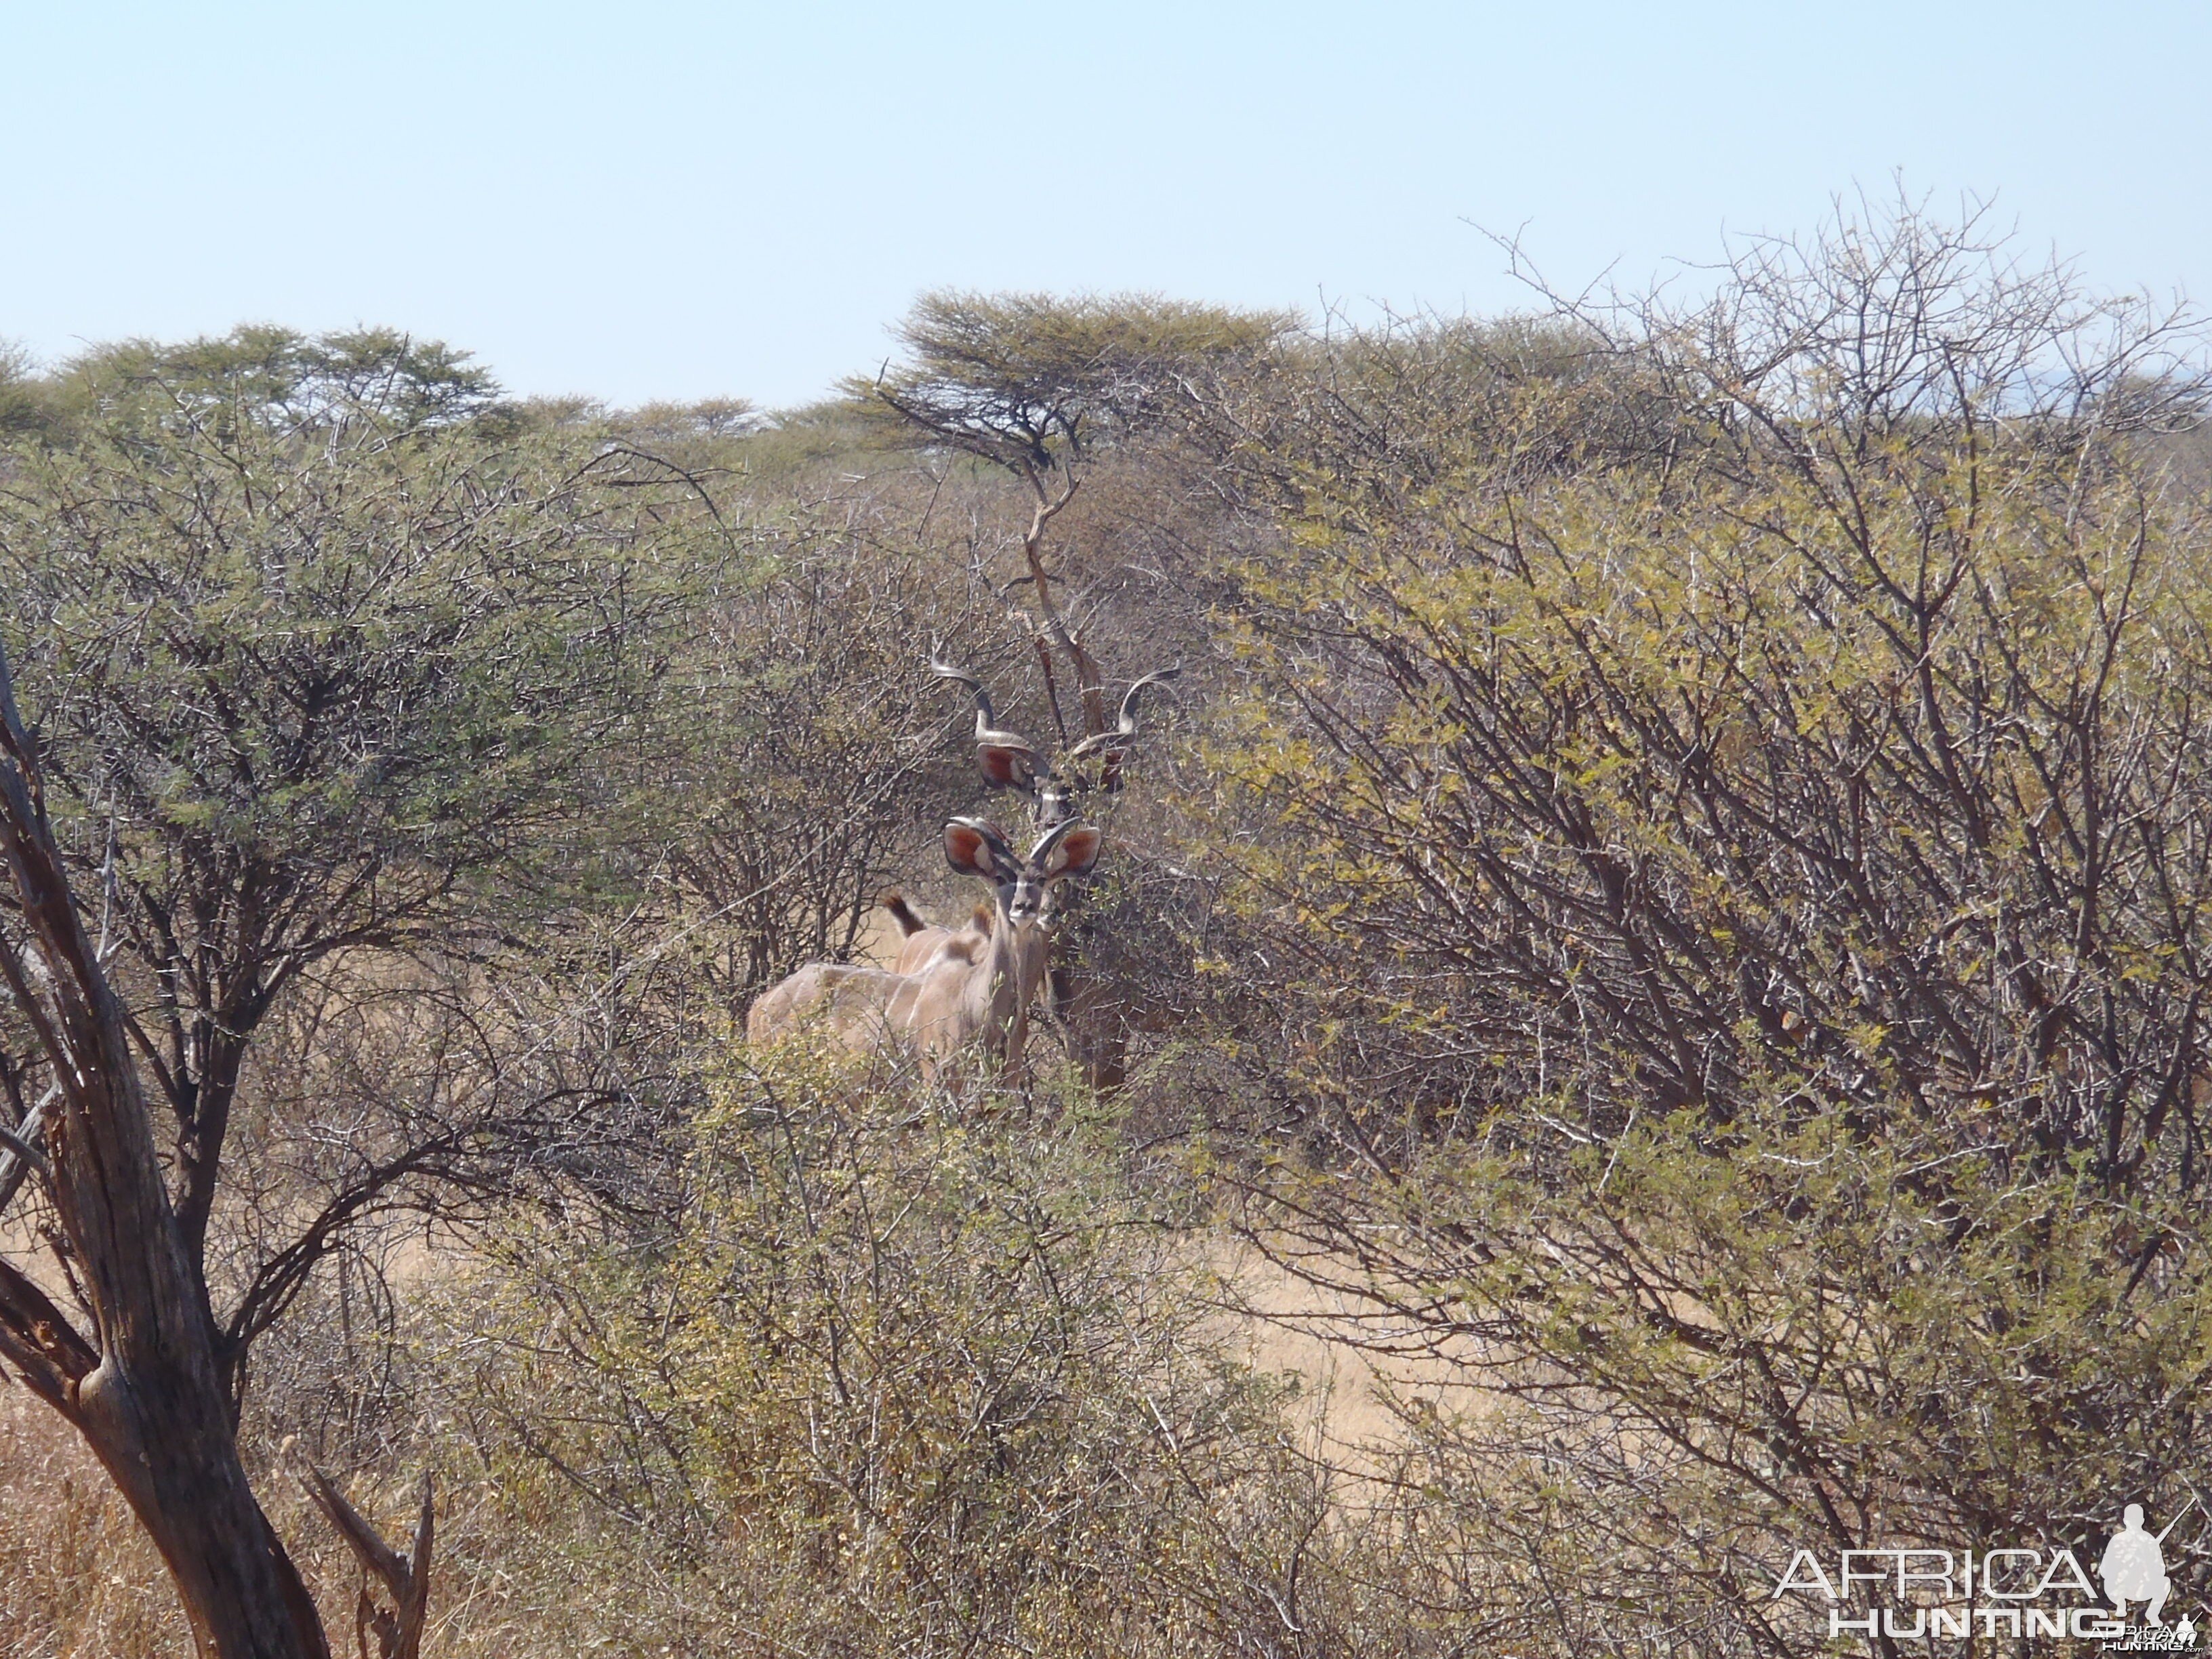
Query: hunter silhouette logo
[[2014, 1592], [2133, 1568]]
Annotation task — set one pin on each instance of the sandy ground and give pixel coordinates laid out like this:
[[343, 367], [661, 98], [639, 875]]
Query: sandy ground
[[1269, 1318], [19, 1243], [1280, 1323]]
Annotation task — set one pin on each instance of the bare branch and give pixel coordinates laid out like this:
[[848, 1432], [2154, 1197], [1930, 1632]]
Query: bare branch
[[405, 1579]]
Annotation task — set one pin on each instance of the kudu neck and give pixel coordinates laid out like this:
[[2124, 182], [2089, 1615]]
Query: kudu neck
[[1012, 966]]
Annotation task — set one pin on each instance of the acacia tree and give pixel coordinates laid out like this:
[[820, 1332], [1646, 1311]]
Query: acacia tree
[[331, 660], [1037, 386], [322, 674], [143, 1384]]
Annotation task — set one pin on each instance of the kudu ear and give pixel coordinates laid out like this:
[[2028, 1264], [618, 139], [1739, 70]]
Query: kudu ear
[[973, 848], [1007, 766], [1007, 758], [1070, 850]]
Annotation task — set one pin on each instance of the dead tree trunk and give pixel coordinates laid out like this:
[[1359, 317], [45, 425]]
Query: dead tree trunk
[[142, 1386]]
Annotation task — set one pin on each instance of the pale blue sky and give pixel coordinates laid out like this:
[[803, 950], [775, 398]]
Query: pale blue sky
[[666, 199]]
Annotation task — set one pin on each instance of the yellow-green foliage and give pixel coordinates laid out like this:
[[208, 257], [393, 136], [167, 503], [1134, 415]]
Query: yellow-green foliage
[[1696, 1354], [1877, 769], [1732, 914], [897, 1381]]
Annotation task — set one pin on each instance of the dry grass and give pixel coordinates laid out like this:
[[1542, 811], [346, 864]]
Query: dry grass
[[78, 1579], [1347, 1359]]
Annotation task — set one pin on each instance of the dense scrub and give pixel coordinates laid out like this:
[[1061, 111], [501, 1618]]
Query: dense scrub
[[1739, 858], [1670, 900]]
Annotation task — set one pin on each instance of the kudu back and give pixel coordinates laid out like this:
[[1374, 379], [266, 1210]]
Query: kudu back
[[920, 941]]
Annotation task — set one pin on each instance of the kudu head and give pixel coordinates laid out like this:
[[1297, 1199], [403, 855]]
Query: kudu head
[[1010, 761], [1021, 887], [961, 998]]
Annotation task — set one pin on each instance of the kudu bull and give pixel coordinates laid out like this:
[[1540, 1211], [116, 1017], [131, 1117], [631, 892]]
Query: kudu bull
[[1098, 1007], [950, 988], [1010, 761]]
